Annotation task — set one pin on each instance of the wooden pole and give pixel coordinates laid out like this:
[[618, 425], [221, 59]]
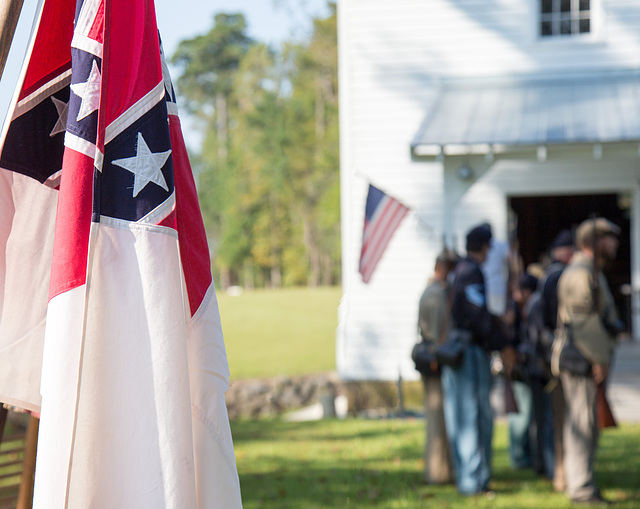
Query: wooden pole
[[25, 495], [9, 14], [3, 420]]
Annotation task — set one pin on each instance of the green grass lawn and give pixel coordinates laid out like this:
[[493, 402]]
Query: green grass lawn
[[280, 332], [364, 463], [378, 464], [11, 457]]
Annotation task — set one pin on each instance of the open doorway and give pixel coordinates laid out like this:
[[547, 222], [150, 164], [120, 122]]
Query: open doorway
[[540, 218]]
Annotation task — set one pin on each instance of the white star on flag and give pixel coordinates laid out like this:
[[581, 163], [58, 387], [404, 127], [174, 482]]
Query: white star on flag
[[145, 166], [89, 92], [63, 111]]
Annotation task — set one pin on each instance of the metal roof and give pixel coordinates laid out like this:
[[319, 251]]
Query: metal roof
[[474, 118]]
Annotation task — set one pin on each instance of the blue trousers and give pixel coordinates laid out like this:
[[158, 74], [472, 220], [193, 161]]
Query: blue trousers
[[469, 419], [544, 458], [520, 450]]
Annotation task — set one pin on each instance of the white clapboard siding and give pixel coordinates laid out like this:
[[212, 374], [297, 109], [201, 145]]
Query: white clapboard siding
[[487, 37]]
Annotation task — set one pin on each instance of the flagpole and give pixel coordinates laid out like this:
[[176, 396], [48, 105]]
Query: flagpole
[[9, 15], [25, 495]]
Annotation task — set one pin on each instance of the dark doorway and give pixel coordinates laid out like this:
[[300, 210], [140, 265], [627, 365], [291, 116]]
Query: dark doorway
[[540, 218]]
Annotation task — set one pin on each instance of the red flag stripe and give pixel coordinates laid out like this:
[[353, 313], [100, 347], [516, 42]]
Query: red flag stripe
[[381, 221], [378, 233], [388, 221], [194, 251], [375, 250], [69, 265], [383, 244], [380, 247], [50, 52]]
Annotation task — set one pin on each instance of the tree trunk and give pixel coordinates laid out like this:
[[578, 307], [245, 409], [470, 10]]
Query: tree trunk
[[247, 274], [276, 249], [221, 127], [225, 278], [276, 277], [320, 114], [313, 250], [327, 273]]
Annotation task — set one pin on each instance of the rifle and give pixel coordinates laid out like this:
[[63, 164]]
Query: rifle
[[510, 404], [515, 270], [604, 413]]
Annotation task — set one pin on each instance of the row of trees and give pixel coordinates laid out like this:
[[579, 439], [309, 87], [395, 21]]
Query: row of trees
[[267, 169]]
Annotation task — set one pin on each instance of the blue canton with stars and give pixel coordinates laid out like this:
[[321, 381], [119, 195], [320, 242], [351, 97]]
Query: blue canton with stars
[[123, 189], [34, 146], [137, 171], [118, 181], [84, 126]]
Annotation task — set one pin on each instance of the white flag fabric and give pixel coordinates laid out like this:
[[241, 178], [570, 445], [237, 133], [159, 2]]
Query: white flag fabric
[[109, 324]]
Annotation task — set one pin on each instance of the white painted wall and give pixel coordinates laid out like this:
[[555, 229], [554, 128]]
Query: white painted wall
[[393, 58]]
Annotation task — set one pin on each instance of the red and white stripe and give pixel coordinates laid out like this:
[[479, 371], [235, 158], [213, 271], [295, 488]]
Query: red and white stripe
[[378, 233]]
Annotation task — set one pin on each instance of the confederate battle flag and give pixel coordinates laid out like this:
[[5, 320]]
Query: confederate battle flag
[[109, 324]]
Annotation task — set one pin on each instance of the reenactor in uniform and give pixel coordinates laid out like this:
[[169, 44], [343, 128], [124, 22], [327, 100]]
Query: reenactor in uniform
[[562, 249], [587, 312], [433, 324], [467, 406]]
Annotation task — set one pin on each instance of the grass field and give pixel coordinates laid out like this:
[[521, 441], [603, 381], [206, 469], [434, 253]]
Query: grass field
[[11, 457], [360, 463], [280, 332], [378, 464]]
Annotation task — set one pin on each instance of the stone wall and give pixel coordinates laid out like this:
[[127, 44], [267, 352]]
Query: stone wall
[[270, 397], [250, 399]]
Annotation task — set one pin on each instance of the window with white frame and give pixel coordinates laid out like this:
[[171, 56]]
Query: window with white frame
[[565, 17]]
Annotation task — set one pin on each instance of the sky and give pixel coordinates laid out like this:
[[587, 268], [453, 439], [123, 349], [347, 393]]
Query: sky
[[269, 21]]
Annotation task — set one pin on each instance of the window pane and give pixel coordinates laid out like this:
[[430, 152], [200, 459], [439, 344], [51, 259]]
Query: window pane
[[564, 17], [585, 26]]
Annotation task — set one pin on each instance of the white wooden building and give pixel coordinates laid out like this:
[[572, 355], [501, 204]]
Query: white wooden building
[[472, 111]]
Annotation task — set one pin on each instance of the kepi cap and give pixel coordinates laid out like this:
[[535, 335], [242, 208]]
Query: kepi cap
[[449, 257], [478, 237], [528, 281], [598, 226], [563, 239]]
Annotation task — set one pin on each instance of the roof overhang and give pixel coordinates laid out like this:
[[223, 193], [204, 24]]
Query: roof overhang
[[493, 118]]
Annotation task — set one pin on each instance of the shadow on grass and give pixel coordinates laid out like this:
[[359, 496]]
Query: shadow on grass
[[298, 485], [365, 464], [256, 430]]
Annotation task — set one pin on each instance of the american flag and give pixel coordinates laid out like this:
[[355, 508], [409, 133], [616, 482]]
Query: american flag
[[383, 215], [109, 318]]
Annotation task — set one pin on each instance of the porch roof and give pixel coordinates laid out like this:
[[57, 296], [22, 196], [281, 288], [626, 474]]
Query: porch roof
[[483, 117]]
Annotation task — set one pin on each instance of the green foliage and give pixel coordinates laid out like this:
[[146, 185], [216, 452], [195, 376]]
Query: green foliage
[[379, 463], [269, 164], [280, 332], [209, 62]]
